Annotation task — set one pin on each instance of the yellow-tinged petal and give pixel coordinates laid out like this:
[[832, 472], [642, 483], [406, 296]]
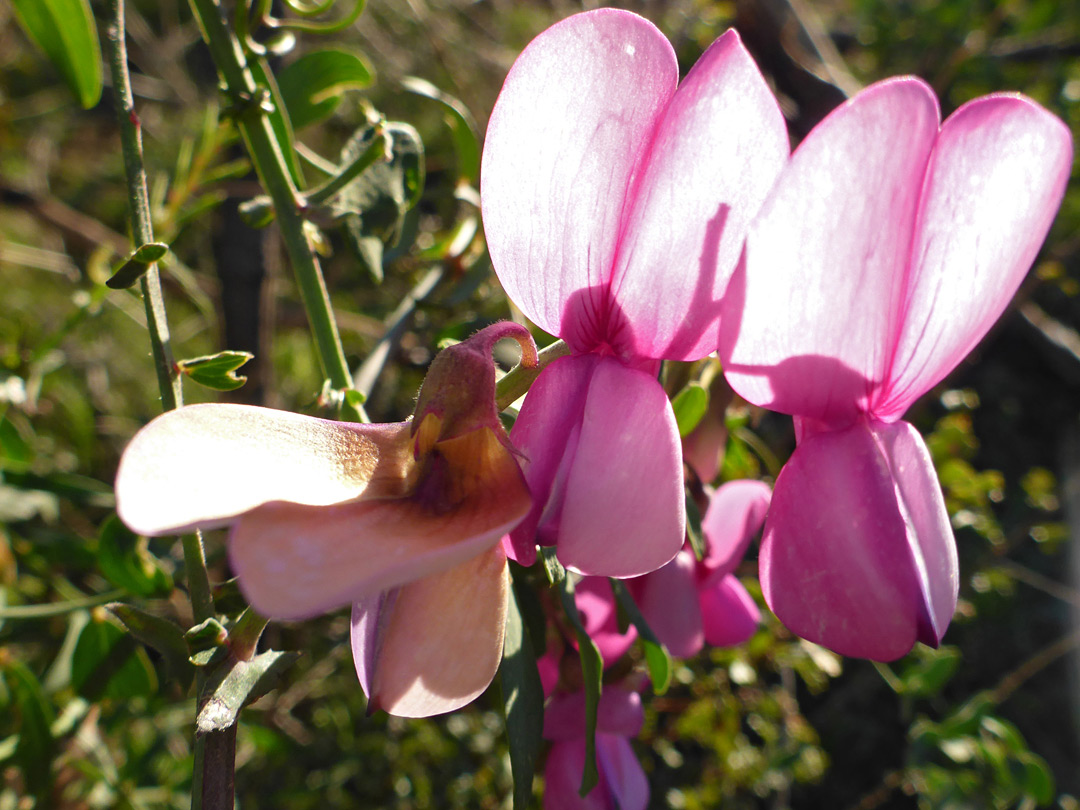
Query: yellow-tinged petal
[[442, 641], [203, 465], [294, 561]]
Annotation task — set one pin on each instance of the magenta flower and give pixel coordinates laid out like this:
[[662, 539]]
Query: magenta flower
[[615, 207], [886, 250], [622, 783], [404, 519], [688, 603]]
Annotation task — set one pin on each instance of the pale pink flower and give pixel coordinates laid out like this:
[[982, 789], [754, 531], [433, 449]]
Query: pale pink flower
[[887, 249], [404, 519], [615, 207]]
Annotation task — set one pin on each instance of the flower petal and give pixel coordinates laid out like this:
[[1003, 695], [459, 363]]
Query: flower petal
[[622, 773], [596, 603], [576, 112], [623, 512], [718, 149], [729, 615], [437, 644], [619, 712], [562, 778], [546, 433], [995, 180], [735, 514], [294, 561], [858, 555], [668, 600], [808, 321], [202, 465]]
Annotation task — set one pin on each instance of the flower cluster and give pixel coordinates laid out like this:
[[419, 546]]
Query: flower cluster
[[644, 220]]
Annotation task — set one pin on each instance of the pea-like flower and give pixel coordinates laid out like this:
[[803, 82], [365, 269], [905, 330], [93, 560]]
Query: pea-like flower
[[615, 205], [404, 520], [887, 249]]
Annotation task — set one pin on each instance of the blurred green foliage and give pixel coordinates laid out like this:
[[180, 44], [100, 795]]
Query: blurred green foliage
[[91, 717]]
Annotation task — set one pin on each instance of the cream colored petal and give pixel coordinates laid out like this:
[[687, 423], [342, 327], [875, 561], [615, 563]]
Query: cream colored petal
[[203, 465]]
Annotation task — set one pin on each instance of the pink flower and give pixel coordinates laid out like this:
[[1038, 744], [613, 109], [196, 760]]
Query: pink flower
[[403, 519], [622, 783], [689, 603], [886, 250], [615, 207]]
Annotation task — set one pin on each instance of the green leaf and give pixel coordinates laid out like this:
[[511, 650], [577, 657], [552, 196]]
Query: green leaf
[[279, 119], [15, 452], [66, 31], [107, 663], [161, 634], [34, 715], [929, 671], [237, 686], [127, 563], [592, 670], [133, 266], [217, 371], [1038, 779], [690, 405], [462, 125], [523, 702], [375, 204], [312, 86], [656, 655]]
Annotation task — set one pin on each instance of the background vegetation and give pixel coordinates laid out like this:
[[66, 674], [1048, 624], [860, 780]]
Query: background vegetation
[[90, 718]]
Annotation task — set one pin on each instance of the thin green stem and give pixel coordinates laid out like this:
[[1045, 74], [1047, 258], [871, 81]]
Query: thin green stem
[[517, 381], [268, 159], [379, 149], [214, 753], [47, 611]]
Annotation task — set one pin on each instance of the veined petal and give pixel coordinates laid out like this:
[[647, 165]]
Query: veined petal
[[618, 712], [294, 561], [994, 183], [668, 600], [808, 318], [202, 465], [718, 149], [735, 514], [437, 643], [729, 615], [623, 512], [858, 555], [577, 110]]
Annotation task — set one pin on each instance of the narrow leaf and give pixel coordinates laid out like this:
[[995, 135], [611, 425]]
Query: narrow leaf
[[127, 563], [592, 671], [656, 655], [34, 715], [66, 32], [690, 406], [312, 86], [239, 685], [107, 663], [462, 125], [217, 371], [160, 634], [523, 702]]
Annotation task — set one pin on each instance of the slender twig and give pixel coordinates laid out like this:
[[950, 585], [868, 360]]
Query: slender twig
[[214, 764], [50, 609], [267, 156]]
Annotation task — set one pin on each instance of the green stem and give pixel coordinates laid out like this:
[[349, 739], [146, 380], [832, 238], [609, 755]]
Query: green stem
[[214, 760], [379, 149], [47, 611], [517, 381], [269, 162]]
